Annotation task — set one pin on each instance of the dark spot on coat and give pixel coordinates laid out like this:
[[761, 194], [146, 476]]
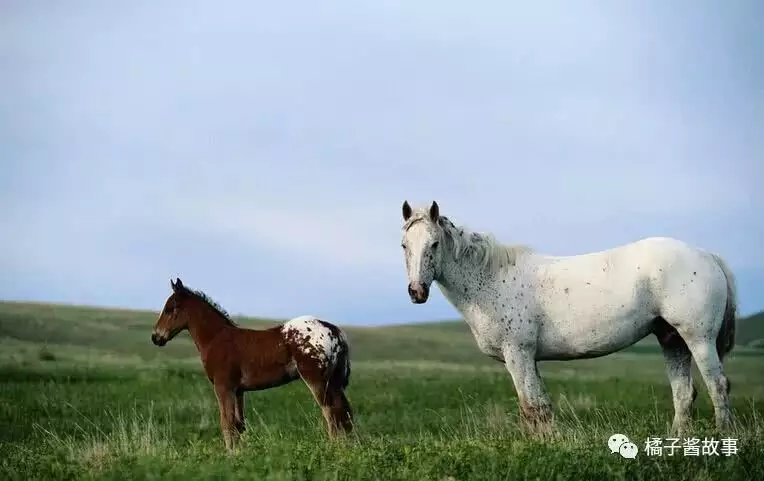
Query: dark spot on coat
[[567, 290], [694, 273], [504, 281]]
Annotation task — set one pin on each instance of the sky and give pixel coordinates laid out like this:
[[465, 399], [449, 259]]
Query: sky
[[261, 151]]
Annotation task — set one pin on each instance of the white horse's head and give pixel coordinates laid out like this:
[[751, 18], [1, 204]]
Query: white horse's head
[[421, 240]]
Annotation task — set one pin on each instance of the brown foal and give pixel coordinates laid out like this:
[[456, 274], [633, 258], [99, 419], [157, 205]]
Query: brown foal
[[237, 360]]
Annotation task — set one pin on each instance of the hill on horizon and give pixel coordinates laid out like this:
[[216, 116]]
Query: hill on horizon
[[30, 330]]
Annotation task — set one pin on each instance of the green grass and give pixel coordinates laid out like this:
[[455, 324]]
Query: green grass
[[84, 395], [751, 330]]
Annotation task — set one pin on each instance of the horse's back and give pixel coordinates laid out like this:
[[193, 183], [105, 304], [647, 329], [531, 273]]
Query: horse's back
[[637, 258], [595, 303], [647, 274]]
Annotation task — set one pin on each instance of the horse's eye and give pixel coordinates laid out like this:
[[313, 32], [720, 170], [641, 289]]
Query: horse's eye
[[435, 244], [404, 246]]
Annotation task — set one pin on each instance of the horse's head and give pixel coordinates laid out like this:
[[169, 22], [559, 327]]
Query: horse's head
[[173, 318], [421, 240]]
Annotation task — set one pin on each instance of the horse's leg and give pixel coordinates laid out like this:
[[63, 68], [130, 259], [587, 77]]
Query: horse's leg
[[325, 399], [710, 367], [520, 361], [340, 411], [346, 412], [239, 414], [334, 405], [332, 401], [313, 377], [679, 369], [227, 404]]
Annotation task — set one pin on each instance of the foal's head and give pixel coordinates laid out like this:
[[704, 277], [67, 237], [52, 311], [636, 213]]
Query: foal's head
[[421, 247], [174, 317]]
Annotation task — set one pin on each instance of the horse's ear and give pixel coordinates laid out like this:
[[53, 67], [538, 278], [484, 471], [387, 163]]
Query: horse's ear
[[172, 284], [406, 210], [434, 212], [176, 285]]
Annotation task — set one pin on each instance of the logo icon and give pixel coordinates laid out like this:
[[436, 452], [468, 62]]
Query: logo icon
[[619, 443]]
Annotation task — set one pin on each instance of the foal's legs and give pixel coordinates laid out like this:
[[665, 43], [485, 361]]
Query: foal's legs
[[334, 406], [341, 411], [227, 405], [520, 361], [239, 414], [325, 385], [679, 369]]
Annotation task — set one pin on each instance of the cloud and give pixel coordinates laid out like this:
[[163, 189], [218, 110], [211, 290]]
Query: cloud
[[342, 237], [258, 141]]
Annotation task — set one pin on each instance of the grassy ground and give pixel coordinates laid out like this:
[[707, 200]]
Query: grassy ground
[[84, 395]]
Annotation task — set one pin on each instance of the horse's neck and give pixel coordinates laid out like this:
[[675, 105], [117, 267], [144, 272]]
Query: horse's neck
[[460, 282], [468, 287], [204, 326]]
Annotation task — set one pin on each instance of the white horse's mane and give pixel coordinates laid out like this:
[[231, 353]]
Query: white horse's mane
[[480, 249]]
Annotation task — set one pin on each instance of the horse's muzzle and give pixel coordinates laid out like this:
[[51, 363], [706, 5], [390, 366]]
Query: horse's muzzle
[[158, 340], [419, 292]]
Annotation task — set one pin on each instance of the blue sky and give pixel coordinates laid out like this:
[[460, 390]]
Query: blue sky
[[261, 150]]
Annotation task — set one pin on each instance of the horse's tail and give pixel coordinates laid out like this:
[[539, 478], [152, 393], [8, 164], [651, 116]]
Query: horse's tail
[[341, 374], [725, 340]]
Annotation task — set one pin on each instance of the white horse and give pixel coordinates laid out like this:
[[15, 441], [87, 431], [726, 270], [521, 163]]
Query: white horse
[[524, 307]]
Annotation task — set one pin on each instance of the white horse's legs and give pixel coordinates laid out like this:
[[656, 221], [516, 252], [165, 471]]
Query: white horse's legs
[[679, 369], [520, 361], [710, 367]]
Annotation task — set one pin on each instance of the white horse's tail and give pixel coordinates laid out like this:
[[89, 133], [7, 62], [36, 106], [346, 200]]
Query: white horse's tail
[[725, 341]]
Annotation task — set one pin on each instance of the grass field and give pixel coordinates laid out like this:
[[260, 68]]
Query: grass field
[[85, 395]]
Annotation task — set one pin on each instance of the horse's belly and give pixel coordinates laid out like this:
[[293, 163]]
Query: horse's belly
[[259, 376], [588, 340]]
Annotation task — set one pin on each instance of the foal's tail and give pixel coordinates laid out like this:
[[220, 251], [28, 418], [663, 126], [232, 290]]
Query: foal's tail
[[341, 375], [725, 340]]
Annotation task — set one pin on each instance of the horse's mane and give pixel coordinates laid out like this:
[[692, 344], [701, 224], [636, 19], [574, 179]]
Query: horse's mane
[[214, 305], [480, 249]]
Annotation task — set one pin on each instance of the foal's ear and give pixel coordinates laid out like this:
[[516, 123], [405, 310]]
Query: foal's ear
[[434, 212], [406, 210]]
